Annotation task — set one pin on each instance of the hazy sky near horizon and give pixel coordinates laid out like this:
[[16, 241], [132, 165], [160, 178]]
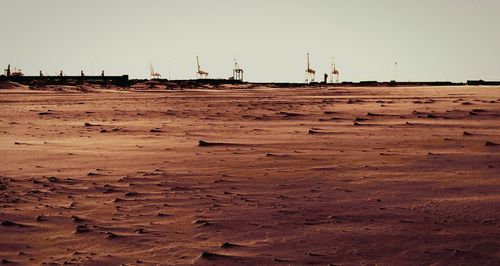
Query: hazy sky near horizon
[[430, 39]]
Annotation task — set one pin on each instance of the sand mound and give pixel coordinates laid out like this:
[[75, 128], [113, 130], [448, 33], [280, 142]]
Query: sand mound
[[9, 85], [84, 87]]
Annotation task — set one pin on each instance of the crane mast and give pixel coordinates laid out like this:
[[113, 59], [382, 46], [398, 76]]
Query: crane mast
[[308, 64]]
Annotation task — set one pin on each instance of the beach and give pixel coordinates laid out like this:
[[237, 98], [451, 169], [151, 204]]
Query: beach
[[260, 176]]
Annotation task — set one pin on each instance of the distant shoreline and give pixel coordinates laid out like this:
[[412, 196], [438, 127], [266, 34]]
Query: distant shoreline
[[124, 81]]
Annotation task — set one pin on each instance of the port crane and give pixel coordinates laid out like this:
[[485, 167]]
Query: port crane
[[310, 73], [200, 74], [335, 73], [152, 73], [237, 71]]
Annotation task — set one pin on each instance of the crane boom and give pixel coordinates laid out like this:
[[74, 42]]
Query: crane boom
[[200, 73]]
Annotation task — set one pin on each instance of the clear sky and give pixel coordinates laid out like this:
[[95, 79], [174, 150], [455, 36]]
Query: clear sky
[[430, 39]]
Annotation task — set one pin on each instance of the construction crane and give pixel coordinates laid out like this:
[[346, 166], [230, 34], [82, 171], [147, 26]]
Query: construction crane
[[310, 73], [200, 74], [335, 73], [152, 73], [237, 71]]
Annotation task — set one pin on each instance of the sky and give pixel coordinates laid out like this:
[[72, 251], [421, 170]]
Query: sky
[[430, 40]]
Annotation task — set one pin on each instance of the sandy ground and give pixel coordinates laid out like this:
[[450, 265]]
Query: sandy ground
[[342, 176]]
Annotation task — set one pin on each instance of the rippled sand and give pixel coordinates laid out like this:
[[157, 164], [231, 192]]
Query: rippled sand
[[282, 176]]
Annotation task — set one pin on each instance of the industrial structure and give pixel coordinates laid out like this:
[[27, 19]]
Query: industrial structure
[[200, 74], [16, 75], [335, 77], [237, 72], [152, 73], [14, 72], [310, 73]]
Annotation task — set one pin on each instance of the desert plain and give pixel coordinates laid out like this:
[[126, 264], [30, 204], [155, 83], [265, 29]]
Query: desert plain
[[250, 176]]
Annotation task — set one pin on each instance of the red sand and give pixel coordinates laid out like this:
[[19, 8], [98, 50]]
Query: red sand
[[342, 176]]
